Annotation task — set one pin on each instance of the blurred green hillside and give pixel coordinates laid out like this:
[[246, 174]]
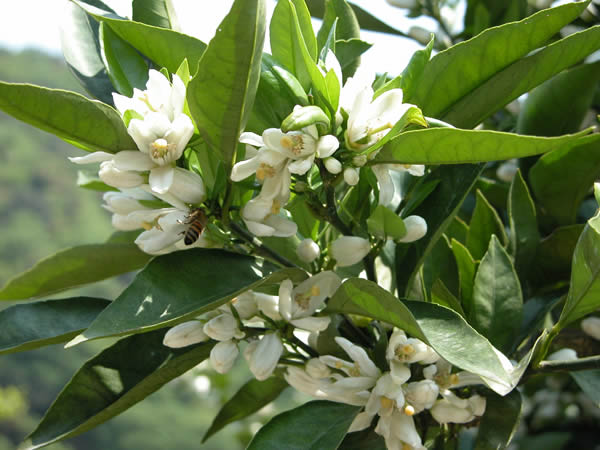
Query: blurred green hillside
[[42, 211]]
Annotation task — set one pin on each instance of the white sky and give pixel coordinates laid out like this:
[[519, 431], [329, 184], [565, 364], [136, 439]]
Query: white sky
[[35, 23]]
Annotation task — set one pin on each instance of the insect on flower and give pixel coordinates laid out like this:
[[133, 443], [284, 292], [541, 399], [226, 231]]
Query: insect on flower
[[196, 220]]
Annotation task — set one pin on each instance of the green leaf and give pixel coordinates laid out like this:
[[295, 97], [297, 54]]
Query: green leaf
[[348, 53], [414, 70], [74, 267], [467, 268], [438, 210], [589, 382], [88, 124], [534, 313], [25, 327], [440, 264], [500, 421], [584, 292], [555, 252], [455, 146], [251, 397], [443, 329], [485, 222], [111, 382], [362, 440], [159, 13], [454, 73], [524, 234], [559, 195], [222, 92], [559, 105], [316, 425], [441, 295], [180, 286], [126, 68], [412, 116], [166, 48], [347, 26], [385, 223], [81, 48], [529, 73], [497, 298]]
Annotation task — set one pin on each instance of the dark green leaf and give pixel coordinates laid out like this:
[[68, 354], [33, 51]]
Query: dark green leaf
[[438, 210], [555, 252], [454, 146], [529, 72], [524, 234], [497, 298], [467, 268], [584, 292], [589, 382], [179, 286], [362, 440], [561, 179], [251, 397], [385, 223], [500, 421], [223, 90], [88, 124], [443, 329], [348, 53], [485, 222], [440, 265], [316, 425], [111, 382], [25, 327], [81, 49], [559, 105], [347, 26], [454, 73], [534, 313], [159, 13], [74, 267], [167, 48], [441, 295], [126, 68]]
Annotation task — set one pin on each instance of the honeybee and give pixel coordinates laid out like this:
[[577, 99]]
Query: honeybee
[[196, 220]]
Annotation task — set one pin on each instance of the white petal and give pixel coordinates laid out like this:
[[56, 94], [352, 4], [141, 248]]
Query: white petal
[[282, 226], [285, 299], [223, 356], [221, 328], [92, 158], [386, 185], [302, 165], [185, 334], [359, 355], [591, 327], [133, 160], [187, 186], [161, 179], [251, 139], [265, 356], [314, 324], [179, 134], [416, 228], [244, 169], [349, 250], [360, 422], [327, 146]]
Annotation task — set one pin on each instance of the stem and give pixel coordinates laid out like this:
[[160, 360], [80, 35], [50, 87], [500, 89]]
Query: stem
[[369, 263], [308, 349], [574, 365], [330, 207], [262, 249], [226, 204]]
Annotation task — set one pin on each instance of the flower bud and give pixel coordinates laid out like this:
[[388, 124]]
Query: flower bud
[[443, 411], [348, 250], [187, 186], [416, 228], [333, 165], [359, 160], [591, 326], [564, 354], [245, 304], [263, 356], [351, 176], [222, 328], [185, 334], [419, 34], [408, 4], [119, 178], [507, 170], [421, 394], [308, 250], [223, 356]]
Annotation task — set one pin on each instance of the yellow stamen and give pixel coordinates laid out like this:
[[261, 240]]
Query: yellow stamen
[[386, 403], [294, 143], [275, 207], [264, 171], [160, 148], [314, 291]]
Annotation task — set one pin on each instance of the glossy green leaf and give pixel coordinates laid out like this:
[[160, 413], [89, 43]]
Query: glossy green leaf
[[179, 286], [362, 440], [33, 325], [126, 68], [555, 252], [500, 421], [88, 124], [454, 73], [482, 14], [438, 210], [441, 295], [385, 223], [497, 298], [347, 26], [485, 222], [524, 234], [559, 194], [166, 48], [443, 329], [348, 52], [584, 292], [589, 382], [412, 116], [159, 13], [440, 265], [455, 146], [81, 48], [467, 268], [111, 382], [222, 92], [414, 70], [74, 267], [559, 105], [529, 73], [251, 397], [316, 425]]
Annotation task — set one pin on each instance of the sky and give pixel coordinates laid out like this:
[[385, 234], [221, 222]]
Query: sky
[[198, 18]]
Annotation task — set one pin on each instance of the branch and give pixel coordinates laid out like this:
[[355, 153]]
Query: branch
[[263, 250], [573, 365]]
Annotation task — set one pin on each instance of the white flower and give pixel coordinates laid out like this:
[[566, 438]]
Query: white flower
[[421, 394], [408, 4], [308, 250], [184, 334], [223, 355], [507, 170], [398, 429], [263, 355], [115, 177], [297, 305], [385, 182], [416, 228], [362, 365], [317, 368], [591, 327], [122, 204], [223, 328], [452, 409], [409, 350], [386, 396], [348, 250]]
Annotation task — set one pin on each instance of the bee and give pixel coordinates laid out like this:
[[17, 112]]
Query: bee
[[196, 220]]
